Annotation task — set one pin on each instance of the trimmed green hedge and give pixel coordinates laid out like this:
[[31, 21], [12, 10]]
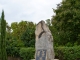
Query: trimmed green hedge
[[62, 53], [27, 53], [67, 53]]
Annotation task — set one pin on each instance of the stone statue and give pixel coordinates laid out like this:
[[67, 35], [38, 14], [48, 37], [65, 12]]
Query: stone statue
[[44, 42]]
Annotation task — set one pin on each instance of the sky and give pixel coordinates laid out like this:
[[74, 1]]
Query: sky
[[28, 10]]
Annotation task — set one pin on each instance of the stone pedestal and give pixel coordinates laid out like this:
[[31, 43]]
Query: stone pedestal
[[44, 42], [52, 59]]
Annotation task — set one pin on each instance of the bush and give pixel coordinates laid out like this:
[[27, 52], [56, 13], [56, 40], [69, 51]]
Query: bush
[[13, 47], [27, 53], [13, 51], [62, 53], [67, 53]]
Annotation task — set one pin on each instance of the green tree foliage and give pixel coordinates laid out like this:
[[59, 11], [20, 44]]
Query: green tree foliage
[[13, 45], [8, 32], [18, 29], [67, 53], [3, 36], [67, 22], [13, 34], [19, 35], [28, 37], [24, 31], [0, 26], [48, 22], [0, 38]]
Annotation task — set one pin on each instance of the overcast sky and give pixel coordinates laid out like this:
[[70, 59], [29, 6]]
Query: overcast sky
[[28, 10]]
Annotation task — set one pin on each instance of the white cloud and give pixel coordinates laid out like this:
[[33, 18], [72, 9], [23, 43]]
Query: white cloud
[[31, 10]]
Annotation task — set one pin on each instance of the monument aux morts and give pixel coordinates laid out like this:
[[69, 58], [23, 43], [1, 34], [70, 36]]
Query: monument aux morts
[[44, 42]]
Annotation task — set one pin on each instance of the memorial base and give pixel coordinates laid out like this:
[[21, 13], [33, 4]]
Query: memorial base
[[52, 59]]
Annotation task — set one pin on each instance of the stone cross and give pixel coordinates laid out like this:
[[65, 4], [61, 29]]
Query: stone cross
[[44, 42]]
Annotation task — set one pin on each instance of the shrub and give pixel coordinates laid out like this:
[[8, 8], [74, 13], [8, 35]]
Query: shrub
[[13, 47], [67, 53], [27, 53], [13, 51], [62, 53]]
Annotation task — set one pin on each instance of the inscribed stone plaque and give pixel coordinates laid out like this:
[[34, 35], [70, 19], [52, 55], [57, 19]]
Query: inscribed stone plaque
[[41, 54]]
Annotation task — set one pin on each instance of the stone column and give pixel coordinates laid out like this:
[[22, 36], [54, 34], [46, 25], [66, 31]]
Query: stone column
[[44, 42]]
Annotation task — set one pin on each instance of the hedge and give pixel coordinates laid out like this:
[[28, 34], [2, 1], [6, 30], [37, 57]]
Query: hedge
[[13, 51], [61, 53], [27, 53], [67, 53]]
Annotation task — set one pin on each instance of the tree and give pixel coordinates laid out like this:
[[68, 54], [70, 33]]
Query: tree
[[0, 39], [48, 22], [13, 40], [67, 22], [3, 40], [24, 31], [28, 37], [0, 26], [18, 29], [16, 35]]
